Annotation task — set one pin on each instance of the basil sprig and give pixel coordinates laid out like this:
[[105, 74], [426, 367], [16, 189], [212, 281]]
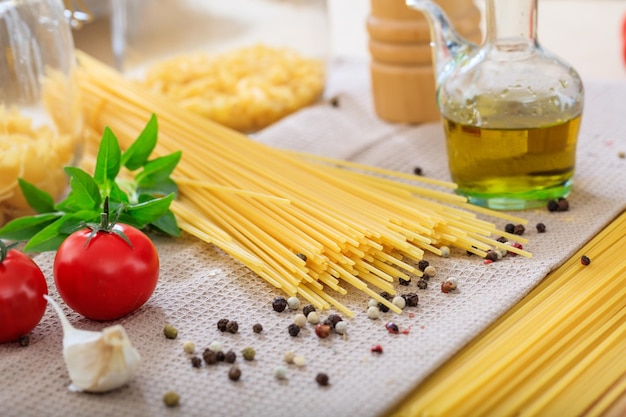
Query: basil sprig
[[146, 198]]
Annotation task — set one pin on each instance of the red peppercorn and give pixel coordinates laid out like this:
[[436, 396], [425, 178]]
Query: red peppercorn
[[376, 349], [585, 260], [392, 327], [322, 330]]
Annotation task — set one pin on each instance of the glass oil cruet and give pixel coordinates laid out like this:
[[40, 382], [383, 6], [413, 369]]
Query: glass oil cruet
[[40, 114], [511, 110]]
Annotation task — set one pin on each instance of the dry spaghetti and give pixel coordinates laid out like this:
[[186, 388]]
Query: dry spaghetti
[[355, 225]]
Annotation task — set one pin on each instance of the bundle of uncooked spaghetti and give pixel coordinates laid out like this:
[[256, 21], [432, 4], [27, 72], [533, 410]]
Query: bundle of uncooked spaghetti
[[306, 224]]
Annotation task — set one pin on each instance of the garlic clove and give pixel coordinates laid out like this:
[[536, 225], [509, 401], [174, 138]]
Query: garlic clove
[[97, 361]]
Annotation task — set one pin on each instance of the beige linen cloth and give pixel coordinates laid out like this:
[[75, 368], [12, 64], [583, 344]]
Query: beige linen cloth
[[199, 285]]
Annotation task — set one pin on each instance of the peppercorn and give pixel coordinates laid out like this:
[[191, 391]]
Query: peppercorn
[[196, 362], [215, 346], [448, 285], [553, 206], [300, 320], [289, 356], [234, 373], [248, 353], [334, 101], [509, 228], [341, 327], [322, 330], [279, 304], [445, 251], [585, 260], [24, 340], [333, 319], [293, 303], [170, 331], [220, 355], [541, 228], [621, 154], [502, 239], [232, 327], [257, 328], [221, 324], [313, 317], [491, 255], [519, 229], [399, 302], [430, 271], [386, 295], [299, 361], [421, 265], [322, 379], [392, 327], [563, 204], [411, 299], [280, 372], [376, 349], [209, 356], [189, 346], [230, 357], [417, 171], [373, 312], [293, 329], [171, 399], [422, 284], [383, 308], [404, 282], [307, 309], [302, 256]]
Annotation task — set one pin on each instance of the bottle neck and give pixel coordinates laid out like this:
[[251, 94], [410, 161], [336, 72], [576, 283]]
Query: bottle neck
[[511, 22]]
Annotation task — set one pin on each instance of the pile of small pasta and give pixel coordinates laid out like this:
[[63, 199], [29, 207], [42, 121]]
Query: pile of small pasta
[[246, 89], [311, 226]]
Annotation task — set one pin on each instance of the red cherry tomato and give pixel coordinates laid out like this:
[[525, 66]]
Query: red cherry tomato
[[22, 286], [103, 277]]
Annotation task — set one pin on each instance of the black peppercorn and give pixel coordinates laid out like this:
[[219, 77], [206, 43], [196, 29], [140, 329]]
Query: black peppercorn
[[502, 239], [492, 255], [585, 260], [209, 356], [230, 357], [553, 206], [423, 264], [307, 309], [234, 373], [302, 256], [383, 308], [322, 379], [219, 355], [279, 304], [404, 282], [418, 171], [563, 204], [422, 284], [519, 229], [411, 299], [221, 324], [24, 340], [386, 295], [293, 329], [541, 228], [196, 362], [333, 319], [509, 228], [334, 101], [257, 328], [232, 327]]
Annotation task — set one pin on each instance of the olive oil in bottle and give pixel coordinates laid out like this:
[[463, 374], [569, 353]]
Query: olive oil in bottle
[[512, 169]]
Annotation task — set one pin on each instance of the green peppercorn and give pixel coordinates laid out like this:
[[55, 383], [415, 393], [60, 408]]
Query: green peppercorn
[[257, 328], [170, 331], [322, 379], [248, 353], [171, 399], [234, 373]]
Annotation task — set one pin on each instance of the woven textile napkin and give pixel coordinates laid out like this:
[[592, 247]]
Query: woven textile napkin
[[200, 284]]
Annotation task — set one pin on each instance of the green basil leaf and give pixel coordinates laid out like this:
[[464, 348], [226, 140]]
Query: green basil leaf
[[139, 152], [84, 193], [116, 194], [51, 236], [108, 160], [148, 211], [159, 168], [167, 224], [24, 228], [156, 189], [38, 199]]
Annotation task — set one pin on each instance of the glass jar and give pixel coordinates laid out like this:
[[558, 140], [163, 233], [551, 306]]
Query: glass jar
[[40, 114]]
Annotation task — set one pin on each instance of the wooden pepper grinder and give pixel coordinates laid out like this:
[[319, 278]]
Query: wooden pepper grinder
[[402, 73]]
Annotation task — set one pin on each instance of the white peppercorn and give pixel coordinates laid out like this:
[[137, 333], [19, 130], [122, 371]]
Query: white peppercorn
[[341, 327], [313, 317], [300, 320], [293, 303], [372, 303], [373, 312], [215, 346], [430, 271], [399, 302], [445, 251], [299, 361], [280, 372], [288, 357], [189, 346]]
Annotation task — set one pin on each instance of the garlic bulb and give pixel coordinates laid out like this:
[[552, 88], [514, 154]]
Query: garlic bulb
[[97, 361]]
